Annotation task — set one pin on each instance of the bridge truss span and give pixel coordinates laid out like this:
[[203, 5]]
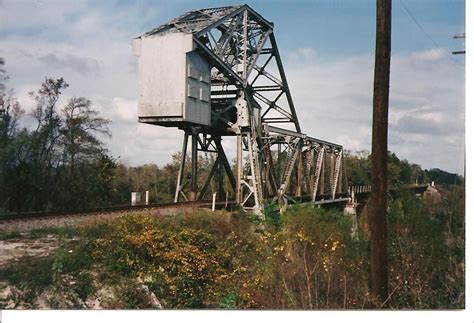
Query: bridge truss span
[[217, 73]]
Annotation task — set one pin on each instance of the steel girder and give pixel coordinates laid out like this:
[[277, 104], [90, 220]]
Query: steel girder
[[303, 168]]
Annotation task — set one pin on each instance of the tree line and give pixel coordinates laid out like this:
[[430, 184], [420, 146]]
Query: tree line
[[399, 171], [57, 163], [60, 162]]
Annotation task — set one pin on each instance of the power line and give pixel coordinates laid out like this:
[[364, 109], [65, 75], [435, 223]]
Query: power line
[[423, 30], [418, 24]]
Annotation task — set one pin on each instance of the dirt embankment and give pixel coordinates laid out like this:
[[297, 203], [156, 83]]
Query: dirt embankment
[[13, 250]]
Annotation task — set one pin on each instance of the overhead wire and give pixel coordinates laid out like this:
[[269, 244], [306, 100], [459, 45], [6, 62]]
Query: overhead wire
[[412, 16]]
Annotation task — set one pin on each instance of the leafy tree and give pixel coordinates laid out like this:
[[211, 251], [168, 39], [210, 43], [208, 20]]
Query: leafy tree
[[10, 112], [83, 155], [61, 163], [9, 108], [81, 124], [39, 151], [400, 172], [48, 130], [442, 177], [121, 186], [357, 168]]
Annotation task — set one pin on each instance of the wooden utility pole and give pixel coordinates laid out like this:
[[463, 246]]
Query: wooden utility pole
[[378, 197]]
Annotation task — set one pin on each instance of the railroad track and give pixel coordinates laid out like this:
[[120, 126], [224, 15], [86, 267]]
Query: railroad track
[[33, 220]]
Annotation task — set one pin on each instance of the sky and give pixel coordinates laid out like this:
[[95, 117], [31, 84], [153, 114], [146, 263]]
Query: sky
[[327, 48]]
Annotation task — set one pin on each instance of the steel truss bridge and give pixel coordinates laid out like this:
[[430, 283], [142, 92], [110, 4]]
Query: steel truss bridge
[[250, 100]]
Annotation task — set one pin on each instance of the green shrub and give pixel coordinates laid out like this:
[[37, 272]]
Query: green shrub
[[304, 258], [229, 302], [313, 262], [30, 275], [190, 258], [426, 267], [272, 216]]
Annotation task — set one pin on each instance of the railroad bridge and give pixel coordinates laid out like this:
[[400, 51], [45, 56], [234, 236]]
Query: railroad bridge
[[217, 73]]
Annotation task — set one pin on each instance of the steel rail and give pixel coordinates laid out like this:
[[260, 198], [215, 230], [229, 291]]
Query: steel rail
[[113, 209]]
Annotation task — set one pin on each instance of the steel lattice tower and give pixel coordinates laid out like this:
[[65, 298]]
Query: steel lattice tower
[[217, 72]]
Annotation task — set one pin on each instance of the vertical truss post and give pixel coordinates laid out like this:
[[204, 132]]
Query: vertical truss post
[[318, 170], [294, 149], [238, 184], [220, 172], [269, 167], [299, 175], [307, 164], [337, 171], [323, 172], [255, 175], [331, 171], [277, 162], [181, 168], [194, 168]]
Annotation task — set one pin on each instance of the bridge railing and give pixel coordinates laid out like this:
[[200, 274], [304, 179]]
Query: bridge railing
[[359, 189]]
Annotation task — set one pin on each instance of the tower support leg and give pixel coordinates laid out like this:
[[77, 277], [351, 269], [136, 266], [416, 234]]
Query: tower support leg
[[179, 181], [238, 184], [194, 156]]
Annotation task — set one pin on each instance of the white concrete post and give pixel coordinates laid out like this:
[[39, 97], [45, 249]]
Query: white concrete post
[[214, 202], [147, 195]]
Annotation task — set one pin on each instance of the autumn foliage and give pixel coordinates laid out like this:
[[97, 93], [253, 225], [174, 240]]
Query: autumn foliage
[[304, 258]]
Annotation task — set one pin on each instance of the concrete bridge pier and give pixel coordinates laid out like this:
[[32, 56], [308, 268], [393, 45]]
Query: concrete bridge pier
[[350, 210]]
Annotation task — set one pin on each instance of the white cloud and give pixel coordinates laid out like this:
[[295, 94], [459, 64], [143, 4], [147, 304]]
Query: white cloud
[[426, 124], [305, 53], [83, 65], [123, 109], [90, 46], [431, 55], [29, 15]]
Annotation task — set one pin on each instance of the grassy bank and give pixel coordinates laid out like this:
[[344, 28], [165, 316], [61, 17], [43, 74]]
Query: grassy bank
[[306, 258]]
